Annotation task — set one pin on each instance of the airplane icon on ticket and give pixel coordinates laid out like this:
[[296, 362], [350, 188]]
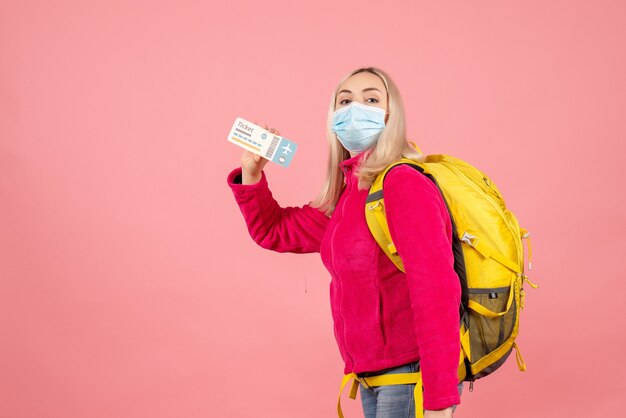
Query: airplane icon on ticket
[[286, 149]]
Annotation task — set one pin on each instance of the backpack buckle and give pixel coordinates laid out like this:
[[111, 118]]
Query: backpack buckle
[[467, 238], [374, 206]]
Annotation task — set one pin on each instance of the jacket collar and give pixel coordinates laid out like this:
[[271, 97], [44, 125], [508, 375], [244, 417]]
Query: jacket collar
[[348, 165]]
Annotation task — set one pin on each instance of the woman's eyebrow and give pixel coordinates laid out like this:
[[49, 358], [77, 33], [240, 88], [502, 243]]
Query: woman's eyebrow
[[364, 90]]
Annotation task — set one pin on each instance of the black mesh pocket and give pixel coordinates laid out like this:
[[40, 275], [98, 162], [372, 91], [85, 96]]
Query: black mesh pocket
[[486, 334]]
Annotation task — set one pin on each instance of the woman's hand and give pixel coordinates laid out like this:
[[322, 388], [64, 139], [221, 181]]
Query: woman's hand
[[443, 413], [252, 164]]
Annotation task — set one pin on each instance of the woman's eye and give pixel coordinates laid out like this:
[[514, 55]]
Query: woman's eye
[[373, 98], [342, 101]]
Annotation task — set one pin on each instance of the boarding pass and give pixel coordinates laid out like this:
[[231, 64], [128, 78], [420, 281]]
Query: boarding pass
[[262, 142]]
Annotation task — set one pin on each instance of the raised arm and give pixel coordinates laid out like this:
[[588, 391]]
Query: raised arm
[[288, 229], [421, 230]]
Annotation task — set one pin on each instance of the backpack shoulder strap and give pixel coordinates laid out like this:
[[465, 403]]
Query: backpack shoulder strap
[[375, 211]]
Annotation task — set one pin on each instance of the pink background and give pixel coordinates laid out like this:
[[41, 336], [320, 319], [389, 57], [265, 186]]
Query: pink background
[[129, 286]]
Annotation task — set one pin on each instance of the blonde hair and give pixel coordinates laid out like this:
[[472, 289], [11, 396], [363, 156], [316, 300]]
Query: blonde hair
[[390, 147]]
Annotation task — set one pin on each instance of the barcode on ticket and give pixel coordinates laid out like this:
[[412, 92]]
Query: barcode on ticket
[[272, 148]]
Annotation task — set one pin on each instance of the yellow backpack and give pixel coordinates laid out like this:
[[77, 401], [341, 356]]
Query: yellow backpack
[[489, 260]]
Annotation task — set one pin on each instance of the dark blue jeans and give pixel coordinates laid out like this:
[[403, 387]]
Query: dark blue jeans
[[391, 401]]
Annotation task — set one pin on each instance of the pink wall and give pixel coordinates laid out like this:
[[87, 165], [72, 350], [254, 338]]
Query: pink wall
[[129, 286]]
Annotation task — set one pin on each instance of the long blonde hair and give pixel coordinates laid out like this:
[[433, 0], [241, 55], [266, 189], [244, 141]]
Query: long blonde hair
[[391, 146]]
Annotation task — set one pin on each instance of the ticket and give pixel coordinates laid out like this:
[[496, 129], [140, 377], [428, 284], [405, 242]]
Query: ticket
[[262, 142]]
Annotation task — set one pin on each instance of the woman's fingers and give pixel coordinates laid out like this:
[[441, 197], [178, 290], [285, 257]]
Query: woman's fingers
[[273, 130]]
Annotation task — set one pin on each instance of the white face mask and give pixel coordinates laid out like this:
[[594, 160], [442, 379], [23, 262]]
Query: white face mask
[[358, 126]]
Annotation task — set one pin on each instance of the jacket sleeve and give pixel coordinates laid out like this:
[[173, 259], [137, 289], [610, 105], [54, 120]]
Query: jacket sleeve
[[421, 230], [288, 229]]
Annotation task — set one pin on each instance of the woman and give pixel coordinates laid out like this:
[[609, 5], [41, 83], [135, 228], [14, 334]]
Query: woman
[[385, 321]]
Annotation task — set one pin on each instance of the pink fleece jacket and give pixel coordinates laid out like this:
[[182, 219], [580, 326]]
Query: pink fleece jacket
[[382, 317]]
